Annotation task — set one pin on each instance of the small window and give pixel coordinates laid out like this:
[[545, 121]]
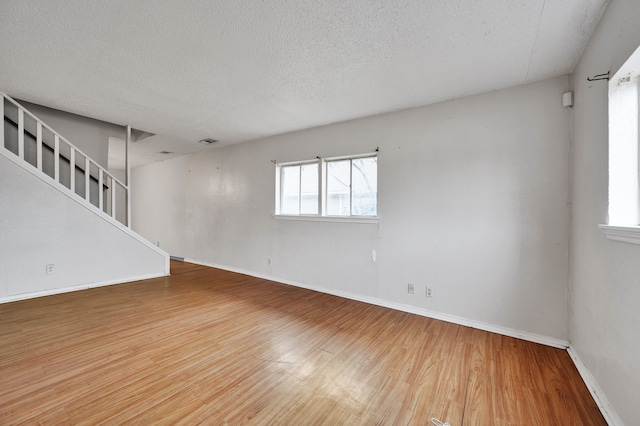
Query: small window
[[299, 189], [349, 187], [352, 187]]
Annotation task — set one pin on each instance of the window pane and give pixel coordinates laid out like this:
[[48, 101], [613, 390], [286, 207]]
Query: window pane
[[290, 195], [338, 185], [365, 186], [309, 188]]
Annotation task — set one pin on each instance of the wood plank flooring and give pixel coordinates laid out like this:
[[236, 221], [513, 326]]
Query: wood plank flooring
[[206, 346]]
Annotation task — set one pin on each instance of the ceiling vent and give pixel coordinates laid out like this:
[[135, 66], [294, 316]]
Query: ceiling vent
[[207, 141]]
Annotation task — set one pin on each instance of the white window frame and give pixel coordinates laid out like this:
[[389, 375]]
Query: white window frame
[[322, 192], [325, 183], [279, 168]]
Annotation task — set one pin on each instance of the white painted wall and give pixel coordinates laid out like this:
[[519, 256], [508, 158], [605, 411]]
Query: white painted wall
[[473, 201], [605, 291], [89, 135], [40, 225], [159, 210]]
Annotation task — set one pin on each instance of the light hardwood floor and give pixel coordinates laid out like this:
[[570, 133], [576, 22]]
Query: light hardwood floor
[[206, 346]]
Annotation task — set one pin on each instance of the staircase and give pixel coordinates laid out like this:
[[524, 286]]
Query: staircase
[[36, 144], [64, 219]]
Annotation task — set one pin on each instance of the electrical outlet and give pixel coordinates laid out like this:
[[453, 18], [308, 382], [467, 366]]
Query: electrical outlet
[[410, 288], [427, 291], [50, 269]]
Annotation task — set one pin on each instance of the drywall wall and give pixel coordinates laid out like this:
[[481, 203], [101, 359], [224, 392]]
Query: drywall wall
[[159, 210], [89, 135], [40, 226], [473, 201], [605, 291]]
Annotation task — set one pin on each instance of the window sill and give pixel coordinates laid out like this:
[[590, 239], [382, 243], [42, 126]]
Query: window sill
[[373, 220], [627, 234]]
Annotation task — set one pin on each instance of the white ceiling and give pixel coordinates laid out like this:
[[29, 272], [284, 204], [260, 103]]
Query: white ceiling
[[238, 70]]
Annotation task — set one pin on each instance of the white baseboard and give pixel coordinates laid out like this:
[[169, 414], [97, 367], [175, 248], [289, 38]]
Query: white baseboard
[[601, 400], [599, 397], [35, 294], [532, 337]]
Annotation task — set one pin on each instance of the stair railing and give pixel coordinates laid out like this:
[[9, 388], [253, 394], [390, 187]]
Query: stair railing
[[84, 173]]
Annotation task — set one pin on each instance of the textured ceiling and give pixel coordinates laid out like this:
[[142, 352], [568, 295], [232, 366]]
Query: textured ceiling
[[237, 70]]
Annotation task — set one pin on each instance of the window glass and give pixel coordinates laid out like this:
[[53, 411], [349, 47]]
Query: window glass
[[338, 188], [364, 172], [290, 193], [309, 189], [624, 167]]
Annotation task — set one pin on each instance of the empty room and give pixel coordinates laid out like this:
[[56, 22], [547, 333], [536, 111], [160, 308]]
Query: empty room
[[369, 212]]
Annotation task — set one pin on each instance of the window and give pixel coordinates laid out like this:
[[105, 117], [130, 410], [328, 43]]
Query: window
[[299, 190], [331, 187], [352, 187], [623, 151], [624, 170]]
